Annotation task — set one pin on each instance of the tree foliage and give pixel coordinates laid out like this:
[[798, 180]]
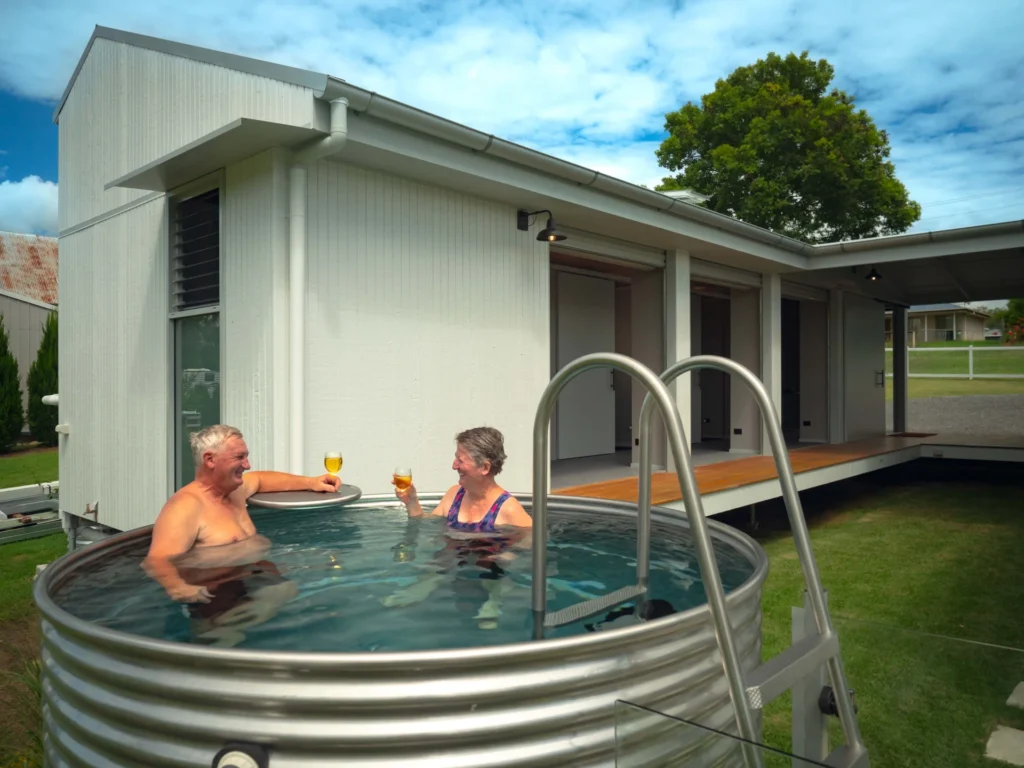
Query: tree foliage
[[773, 146], [12, 413], [43, 380]]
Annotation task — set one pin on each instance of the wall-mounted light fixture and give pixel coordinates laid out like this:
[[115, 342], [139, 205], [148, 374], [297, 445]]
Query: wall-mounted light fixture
[[873, 275], [549, 234]]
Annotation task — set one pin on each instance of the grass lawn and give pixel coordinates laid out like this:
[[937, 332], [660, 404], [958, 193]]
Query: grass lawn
[[953, 387], [900, 560], [19, 646], [28, 467], [935, 360]]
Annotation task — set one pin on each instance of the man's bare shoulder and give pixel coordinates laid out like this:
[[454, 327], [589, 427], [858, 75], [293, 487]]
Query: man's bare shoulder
[[185, 502]]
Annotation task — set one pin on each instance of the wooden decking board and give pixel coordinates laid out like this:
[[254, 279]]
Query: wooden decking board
[[723, 476]]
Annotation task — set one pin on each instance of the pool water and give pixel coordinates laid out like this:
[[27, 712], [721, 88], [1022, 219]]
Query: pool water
[[356, 580]]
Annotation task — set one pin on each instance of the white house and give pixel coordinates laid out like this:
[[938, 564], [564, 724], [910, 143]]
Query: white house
[[361, 276]]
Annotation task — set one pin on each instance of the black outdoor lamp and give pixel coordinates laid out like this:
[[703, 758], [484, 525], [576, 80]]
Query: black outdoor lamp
[[873, 275], [549, 234]]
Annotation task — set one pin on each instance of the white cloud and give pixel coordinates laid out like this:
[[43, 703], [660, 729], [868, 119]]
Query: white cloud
[[592, 82], [28, 206]]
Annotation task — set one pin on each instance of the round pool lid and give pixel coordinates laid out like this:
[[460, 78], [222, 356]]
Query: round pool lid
[[306, 499]]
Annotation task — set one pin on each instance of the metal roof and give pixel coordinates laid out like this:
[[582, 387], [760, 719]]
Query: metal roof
[[945, 308], [28, 266]]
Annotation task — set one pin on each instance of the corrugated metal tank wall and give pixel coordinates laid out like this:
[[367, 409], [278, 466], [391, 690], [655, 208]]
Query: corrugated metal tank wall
[[115, 367], [427, 314], [254, 307], [131, 106]]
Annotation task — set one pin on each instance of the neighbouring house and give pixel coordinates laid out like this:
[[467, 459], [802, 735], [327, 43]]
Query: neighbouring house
[[941, 322], [333, 270], [28, 294]]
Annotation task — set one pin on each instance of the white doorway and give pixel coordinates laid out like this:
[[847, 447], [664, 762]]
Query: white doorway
[[585, 324]]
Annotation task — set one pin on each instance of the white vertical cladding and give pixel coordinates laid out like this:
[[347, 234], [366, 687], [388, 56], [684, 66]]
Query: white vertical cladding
[[428, 314], [254, 306], [131, 106], [115, 367]]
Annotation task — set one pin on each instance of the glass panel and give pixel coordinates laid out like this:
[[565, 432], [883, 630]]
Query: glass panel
[[197, 377], [645, 739]]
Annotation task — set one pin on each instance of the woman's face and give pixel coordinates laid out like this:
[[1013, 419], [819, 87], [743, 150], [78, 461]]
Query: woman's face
[[467, 468]]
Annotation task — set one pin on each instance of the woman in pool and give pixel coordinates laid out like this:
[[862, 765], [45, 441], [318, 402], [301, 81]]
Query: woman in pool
[[482, 519], [477, 503]]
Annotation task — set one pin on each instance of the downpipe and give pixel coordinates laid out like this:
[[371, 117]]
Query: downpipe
[[297, 203]]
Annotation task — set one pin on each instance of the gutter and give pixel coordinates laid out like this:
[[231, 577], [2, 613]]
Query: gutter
[[297, 203], [380, 107]]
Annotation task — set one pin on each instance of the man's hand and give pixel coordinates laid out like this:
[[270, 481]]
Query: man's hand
[[324, 483], [189, 593]]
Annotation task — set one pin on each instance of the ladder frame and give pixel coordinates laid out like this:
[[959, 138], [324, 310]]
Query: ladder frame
[[745, 699]]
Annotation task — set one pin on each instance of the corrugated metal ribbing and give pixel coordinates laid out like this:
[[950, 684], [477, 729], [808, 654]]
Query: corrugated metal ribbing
[[131, 106], [114, 367], [119, 700], [254, 312], [427, 314]]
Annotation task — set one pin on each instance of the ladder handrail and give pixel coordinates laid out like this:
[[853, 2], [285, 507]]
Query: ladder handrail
[[790, 495], [698, 524]]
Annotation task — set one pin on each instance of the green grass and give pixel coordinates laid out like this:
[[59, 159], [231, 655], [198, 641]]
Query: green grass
[[937, 558], [954, 387], [1006, 360], [20, 726], [28, 468]]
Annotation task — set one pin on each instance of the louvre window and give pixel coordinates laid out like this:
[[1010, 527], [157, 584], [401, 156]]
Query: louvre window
[[195, 272]]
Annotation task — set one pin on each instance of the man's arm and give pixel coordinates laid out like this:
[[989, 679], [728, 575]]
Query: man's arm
[[273, 482], [174, 533]]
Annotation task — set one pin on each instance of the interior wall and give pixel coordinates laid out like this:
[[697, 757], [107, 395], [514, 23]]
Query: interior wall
[[745, 343], [715, 339], [623, 381], [648, 345], [864, 366], [813, 371]]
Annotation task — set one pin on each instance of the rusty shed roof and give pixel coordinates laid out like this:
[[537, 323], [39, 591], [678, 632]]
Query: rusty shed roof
[[28, 266]]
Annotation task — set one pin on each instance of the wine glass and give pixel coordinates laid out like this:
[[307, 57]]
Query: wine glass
[[332, 463], [403, 478]]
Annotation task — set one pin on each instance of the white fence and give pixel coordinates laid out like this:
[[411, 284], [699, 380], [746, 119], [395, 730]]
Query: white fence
[[1011, 367]]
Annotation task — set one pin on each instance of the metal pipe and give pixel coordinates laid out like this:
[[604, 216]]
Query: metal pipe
[[310, 153], [789, 493], [698, 523]]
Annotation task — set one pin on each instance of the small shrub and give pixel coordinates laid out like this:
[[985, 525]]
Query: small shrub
[[12, 413], [43, 380]]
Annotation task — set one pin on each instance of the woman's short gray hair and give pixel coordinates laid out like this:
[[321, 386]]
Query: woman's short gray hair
[[483, 444], [210, 439]]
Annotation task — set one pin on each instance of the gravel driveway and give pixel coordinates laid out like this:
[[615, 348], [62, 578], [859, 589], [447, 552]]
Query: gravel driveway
[[967, 414]]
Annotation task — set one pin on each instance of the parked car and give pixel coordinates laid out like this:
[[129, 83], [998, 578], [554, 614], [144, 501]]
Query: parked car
[[993, 334]]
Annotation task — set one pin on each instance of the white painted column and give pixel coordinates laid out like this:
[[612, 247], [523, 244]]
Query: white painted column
[[677, 333], [836, 369], [771, 346], [900, 369]]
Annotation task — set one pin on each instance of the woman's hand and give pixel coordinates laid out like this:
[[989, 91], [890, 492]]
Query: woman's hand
[[408, 496]]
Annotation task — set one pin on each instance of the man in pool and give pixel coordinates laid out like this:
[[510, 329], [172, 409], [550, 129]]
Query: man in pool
[[206, 524]]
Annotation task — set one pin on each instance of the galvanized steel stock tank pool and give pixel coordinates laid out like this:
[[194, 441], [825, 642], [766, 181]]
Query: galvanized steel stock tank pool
[[112, 698]]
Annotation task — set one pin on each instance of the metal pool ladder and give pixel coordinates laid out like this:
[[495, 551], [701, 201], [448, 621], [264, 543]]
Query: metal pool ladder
[[778, 674]]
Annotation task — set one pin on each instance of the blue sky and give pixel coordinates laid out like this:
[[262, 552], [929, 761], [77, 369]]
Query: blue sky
[[589, 82]]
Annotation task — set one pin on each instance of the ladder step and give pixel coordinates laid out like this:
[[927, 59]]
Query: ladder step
[[590, 607], [778, 674]]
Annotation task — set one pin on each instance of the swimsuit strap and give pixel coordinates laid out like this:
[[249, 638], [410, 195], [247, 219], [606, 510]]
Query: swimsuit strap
[[453, 512], [492, 513]]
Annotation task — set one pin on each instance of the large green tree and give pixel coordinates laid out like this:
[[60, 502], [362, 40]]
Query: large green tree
[[774, 146], [43, 380]]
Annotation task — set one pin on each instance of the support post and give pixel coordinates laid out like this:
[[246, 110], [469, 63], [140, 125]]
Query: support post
[[970, 362], [771, 347], [810, 725], [900, 369], [677, 336]]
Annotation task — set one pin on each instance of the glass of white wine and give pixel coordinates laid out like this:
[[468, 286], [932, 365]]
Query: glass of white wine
[[403, 478], [332, 463]]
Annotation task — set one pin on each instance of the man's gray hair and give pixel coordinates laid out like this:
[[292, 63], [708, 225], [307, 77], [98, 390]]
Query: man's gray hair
[[483, 444], [210, 438]]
